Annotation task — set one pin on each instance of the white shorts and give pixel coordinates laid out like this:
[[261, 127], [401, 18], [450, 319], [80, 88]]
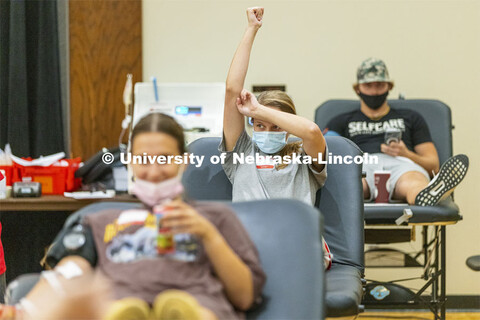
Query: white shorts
[[397, 166]]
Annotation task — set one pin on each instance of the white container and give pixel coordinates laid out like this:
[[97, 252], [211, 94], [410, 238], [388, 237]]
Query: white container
[[3, 185]]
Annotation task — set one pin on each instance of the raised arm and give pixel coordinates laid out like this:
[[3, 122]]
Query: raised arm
[[313, 140], [233, 121]]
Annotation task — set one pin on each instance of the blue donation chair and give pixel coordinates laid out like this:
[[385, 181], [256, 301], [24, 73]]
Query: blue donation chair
[[438, 118], [288, 238], [341, 203]]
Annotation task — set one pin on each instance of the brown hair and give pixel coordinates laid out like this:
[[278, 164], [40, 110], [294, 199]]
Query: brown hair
[[281, 100], [159, 122], [356, 86]]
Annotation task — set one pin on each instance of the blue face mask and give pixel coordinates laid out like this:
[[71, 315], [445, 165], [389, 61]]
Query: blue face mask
[[270, 142]]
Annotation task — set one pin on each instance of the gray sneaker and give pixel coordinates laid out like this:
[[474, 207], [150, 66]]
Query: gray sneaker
[[442, 185]]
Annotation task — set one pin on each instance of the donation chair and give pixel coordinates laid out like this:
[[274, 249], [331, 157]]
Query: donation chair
[[341, 204], [289, 248], [438, 118]]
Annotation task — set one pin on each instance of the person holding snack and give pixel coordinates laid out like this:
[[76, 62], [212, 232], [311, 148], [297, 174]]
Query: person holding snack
[[219, 279]]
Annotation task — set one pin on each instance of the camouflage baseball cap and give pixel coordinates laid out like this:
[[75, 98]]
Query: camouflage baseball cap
[[372, 70]]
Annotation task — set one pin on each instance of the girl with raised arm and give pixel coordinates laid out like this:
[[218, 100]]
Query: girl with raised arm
[[274, 120]]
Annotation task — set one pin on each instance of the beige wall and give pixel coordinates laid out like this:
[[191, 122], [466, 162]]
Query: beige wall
[[432, 50]]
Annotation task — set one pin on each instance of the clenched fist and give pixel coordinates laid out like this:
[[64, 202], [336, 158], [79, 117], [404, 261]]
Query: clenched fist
[[247, 104], [254, 16]]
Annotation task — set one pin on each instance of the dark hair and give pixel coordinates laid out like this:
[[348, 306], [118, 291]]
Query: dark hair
[[159, 122]]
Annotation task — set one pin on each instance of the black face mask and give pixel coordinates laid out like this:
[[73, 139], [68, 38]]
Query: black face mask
[[373, 102]]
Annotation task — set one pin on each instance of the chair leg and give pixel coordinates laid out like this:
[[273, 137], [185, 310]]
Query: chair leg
[[439, 285], [425, 251], [443, 290], [435, 272], [436, 282]]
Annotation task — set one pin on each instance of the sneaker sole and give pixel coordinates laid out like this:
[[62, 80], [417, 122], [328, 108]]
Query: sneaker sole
[[450, 175], [176, 305]]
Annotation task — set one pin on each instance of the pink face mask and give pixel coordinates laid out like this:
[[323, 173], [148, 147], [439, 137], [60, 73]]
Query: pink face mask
[[152, 193]]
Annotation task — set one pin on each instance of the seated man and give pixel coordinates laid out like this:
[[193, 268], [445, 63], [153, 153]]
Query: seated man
[[411, 159]]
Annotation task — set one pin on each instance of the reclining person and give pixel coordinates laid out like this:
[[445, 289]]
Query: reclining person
[[274, 119], [224, 278], [410, 159]]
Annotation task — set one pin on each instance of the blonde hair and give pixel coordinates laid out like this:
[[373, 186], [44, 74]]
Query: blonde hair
[[281, 100]]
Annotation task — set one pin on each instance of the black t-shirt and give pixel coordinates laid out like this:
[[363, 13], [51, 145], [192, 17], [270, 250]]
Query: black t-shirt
[[369, 134]]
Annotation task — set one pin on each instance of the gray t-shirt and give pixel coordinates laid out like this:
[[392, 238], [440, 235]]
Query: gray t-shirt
[[296, 181]]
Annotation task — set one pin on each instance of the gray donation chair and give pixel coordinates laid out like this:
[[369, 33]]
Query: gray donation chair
[[341, 204], [288, 238], [438, 118]]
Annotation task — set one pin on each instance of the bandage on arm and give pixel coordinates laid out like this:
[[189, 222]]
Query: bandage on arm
[[68, 269]]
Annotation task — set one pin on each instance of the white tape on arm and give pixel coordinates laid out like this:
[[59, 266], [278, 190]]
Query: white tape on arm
[[28, 307], [69, 270], [53, 281]]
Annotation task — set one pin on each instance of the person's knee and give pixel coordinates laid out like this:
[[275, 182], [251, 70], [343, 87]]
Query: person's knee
[[411, 179]]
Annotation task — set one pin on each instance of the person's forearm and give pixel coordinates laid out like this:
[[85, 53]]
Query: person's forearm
[[232, 271], [40, 288], [301, 127], [233, 120], [427, 162], [239, 66]]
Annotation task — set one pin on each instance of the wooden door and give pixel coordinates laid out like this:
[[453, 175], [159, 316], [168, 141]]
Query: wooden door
[[105, 45]]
